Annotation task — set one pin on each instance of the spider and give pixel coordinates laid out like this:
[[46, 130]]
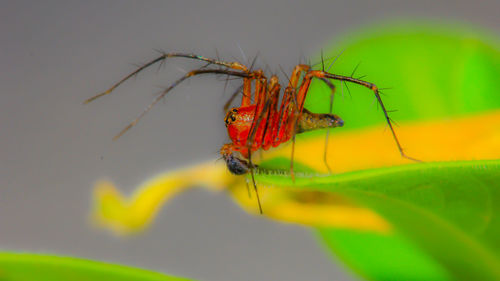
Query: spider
[[259, 123]]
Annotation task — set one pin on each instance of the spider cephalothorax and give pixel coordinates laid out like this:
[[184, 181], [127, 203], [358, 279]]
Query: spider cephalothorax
[[238, 127]]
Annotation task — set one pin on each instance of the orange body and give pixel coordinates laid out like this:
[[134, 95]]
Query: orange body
[[270, 133]]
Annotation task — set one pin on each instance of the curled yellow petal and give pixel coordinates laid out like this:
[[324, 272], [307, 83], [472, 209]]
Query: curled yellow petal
[[125, 215], [469, 138], [311, 208]]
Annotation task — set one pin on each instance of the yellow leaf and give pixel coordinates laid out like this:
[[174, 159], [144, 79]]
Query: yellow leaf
[[469, 138]]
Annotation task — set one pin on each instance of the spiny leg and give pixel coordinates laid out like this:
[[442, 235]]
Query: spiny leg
[[296, 108], [248, 190], [332, 94], [164, 92], [282, 124], [162, 58], [245, 89], [252, 134], [250, 163], [260, 92], [271, 114], [246, 100], [231, 99], [254, 184], [374, 88], [293, 121], [300, 98], [297, 102], [292, 172], [267, 134]]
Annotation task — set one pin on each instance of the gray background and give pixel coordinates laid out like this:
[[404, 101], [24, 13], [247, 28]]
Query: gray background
[[55, 54]]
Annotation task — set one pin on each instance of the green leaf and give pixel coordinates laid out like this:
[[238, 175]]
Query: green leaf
[[445, 215], [432, 71], [446, 210], [383, 257], [26, 267]]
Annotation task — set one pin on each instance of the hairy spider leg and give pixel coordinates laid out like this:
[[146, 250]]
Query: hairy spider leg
[[371, 86], [332, 94], [245, 141], [251, 137], [292, 109], [298, 106], [233, 96], [297, 103], [265, 95], [177, 82], [266, 98], [161, 59], [272, 115]]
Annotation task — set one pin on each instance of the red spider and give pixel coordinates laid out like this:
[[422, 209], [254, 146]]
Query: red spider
[[261, 124]]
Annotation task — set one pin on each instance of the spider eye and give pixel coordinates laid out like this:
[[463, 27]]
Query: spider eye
[[235, 110], [230, 117]]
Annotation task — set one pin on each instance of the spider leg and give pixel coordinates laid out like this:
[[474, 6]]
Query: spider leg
[[292, 114], [283, 123], [298, 107], [272, 116], [177, 82], [247, 92], [162, 58], [264, 99], [374, 88], [246, 88], [254, 184], [260, 93], [292, 172], [332, 87], [231, 99], [249, 145], [248, 190]]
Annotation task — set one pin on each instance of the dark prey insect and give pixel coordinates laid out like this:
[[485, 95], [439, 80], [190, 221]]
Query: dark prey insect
[[260, 122]]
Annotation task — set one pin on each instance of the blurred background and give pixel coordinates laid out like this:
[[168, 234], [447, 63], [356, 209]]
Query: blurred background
[[55, 54]]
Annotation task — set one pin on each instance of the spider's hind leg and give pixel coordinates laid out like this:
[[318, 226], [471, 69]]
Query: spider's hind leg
[[332, 94], [376, 92]]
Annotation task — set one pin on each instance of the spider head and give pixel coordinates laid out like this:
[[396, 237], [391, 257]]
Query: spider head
[[239, 122]]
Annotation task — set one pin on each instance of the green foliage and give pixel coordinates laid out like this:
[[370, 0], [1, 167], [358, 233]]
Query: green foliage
[[446, 216], [26, 267], [431, 72]]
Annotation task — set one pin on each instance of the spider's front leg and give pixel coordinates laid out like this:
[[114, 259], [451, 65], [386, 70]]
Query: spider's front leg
[[238, 165]]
